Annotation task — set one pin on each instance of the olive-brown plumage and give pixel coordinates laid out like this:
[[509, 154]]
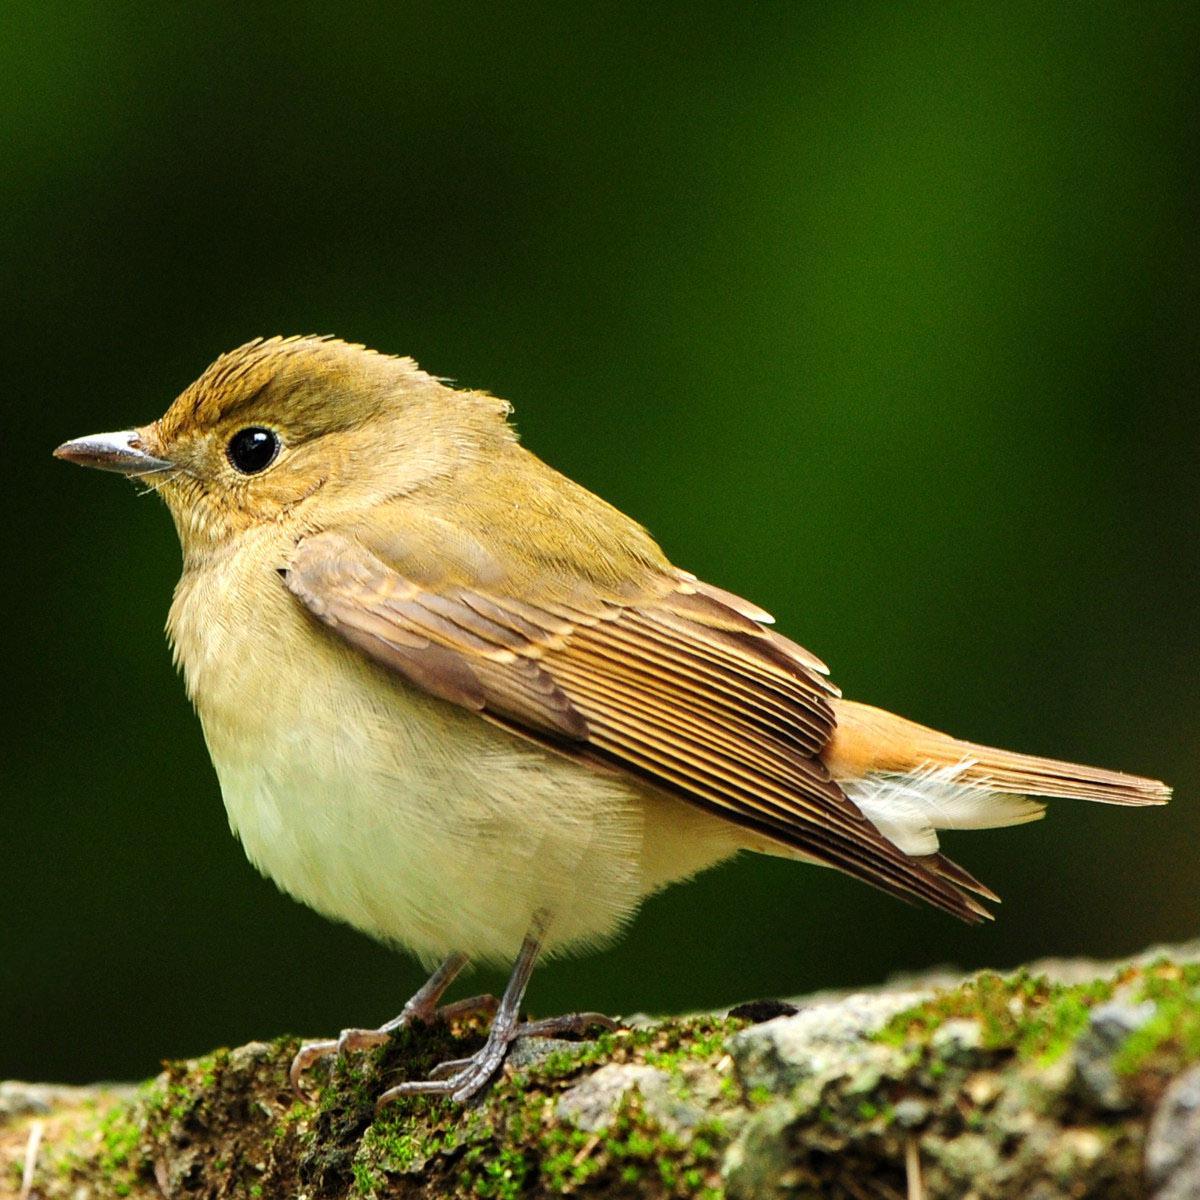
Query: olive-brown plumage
[[457, 700]]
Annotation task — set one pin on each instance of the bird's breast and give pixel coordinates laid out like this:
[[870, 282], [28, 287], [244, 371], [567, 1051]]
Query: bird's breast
[[405, 816]]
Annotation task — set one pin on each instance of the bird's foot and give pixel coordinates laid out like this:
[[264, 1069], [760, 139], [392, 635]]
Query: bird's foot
[[464, 1078], [350, 1040], [573, 1024]]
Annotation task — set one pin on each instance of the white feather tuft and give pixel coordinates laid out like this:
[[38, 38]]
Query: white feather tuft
[[909, 809]]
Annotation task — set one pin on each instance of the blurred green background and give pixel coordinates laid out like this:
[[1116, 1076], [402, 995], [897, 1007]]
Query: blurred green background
[[882, 315]]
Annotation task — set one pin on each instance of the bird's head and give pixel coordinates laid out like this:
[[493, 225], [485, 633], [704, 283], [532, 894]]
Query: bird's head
[[299, 431]]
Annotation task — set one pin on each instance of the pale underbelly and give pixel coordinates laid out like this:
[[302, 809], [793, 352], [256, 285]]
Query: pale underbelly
[[425, 827]]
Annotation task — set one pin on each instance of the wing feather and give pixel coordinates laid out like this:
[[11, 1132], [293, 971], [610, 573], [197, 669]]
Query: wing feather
[[679, 684]]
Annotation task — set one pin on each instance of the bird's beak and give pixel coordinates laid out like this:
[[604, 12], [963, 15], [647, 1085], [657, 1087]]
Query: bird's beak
[[122, 452]]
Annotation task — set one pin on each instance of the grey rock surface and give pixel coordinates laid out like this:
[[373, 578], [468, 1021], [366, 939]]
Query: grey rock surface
[[1173, 1142], [1110, 1024], [832, 1035], [19, 1099], [594, 1102]]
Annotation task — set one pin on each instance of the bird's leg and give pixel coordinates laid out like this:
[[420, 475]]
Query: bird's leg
[[468, 1076], [547, 1027], [422, 1006]]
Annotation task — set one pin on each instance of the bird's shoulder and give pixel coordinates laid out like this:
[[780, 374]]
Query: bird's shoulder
[[513, 526]]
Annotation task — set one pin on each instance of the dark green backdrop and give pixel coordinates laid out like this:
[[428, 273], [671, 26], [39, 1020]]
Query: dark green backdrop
[[882, 315]]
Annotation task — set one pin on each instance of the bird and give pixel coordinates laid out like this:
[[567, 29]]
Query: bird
[[464, 705]]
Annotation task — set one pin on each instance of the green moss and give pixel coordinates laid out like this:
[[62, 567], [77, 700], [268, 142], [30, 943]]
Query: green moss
[[636, 1152], [1037, 1020], [500, 1175], [397, 1151], [1021, 1014], [367, 1181], [119, 1135], [669, 1047], [1170, 1040]]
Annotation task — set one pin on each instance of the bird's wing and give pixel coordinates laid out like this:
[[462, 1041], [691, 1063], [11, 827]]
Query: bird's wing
[[681, 685]]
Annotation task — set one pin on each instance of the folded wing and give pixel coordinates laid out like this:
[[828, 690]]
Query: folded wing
[[678, 684]]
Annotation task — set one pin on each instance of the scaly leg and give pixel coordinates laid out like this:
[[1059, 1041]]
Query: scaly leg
[[569, 1023], [572, 1024], [423, 1007], [469, 1076]]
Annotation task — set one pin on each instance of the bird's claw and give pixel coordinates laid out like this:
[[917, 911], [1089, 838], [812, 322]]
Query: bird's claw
[[368, 1039], [449, 1067], [347, 1041], [464, 1078]]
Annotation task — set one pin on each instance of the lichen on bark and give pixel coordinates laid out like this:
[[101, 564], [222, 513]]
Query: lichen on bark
[[1052, 1082]]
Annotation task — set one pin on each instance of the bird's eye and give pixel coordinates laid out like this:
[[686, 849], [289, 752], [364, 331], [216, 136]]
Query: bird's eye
[[253, 450]]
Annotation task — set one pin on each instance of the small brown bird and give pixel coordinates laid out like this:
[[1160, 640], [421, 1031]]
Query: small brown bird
[[462, 704]]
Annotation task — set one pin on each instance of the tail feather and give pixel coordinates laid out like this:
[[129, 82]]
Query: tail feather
[[911, 781], [869, 741], [1029, 775], [908, 808]]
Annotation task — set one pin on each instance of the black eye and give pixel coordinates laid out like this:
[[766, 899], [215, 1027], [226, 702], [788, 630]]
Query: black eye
[[253, 450]]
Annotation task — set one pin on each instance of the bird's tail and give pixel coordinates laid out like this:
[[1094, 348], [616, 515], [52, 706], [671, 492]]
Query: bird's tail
[[912, 781]]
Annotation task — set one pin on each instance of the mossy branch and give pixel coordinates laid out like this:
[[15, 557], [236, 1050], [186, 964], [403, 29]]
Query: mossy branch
[[1063, 1080]]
